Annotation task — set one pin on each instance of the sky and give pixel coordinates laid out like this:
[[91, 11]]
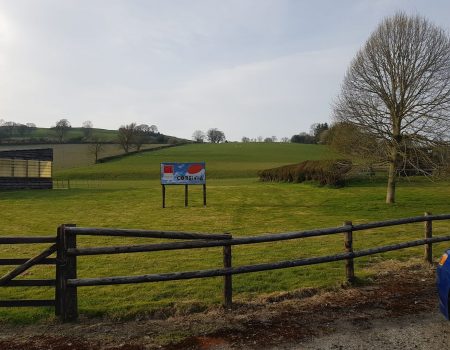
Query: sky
[[247, 67]]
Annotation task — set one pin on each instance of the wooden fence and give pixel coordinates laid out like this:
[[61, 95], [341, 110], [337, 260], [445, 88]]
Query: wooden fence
[[66, 281], [24, 264]]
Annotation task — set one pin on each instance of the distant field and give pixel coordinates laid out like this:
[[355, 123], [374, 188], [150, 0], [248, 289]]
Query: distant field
[[75, 155], [237, 203], [226, 160]]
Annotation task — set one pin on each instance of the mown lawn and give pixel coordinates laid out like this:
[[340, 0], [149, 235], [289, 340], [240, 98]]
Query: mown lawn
[[241, 206]]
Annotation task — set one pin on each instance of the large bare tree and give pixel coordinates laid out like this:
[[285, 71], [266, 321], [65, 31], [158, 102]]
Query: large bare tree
[[198, 136], [397, 89], [61, 129], [95, 147], [127, 135], [86, 128], [215, 136]]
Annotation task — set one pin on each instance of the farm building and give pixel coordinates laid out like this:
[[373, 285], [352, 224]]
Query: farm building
[[26, 169]]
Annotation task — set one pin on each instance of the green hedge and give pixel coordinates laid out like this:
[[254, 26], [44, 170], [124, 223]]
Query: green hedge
[[325, 172]]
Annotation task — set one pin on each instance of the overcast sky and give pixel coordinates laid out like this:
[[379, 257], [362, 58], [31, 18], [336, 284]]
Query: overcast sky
[[248, 68]]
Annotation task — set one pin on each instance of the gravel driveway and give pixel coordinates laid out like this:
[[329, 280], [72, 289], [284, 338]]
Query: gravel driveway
[[428, 331]]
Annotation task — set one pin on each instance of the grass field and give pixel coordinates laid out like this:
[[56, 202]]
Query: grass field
[[232, 160], [75, 155], [237, 203]]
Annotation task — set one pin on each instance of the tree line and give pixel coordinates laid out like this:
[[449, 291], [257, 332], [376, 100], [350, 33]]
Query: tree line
[[213, 135], [313, 137], [10, 129]]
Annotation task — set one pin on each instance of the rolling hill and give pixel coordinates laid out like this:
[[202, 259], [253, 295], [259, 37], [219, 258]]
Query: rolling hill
[[226, 160]]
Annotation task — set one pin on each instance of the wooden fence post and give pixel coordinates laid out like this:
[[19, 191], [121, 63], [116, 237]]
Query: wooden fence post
[[66, 296], [227, 280], [348, 244], [428, 234], [59, 270]]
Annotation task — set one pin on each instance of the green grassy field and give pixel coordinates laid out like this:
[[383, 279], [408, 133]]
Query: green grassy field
[[232, 160], [237, 203]]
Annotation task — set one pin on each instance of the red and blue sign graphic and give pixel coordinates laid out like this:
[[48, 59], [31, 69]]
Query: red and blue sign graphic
[[183, 173]]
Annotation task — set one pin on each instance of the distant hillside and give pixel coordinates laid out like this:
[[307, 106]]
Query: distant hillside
[[225, 160], [74, 135]]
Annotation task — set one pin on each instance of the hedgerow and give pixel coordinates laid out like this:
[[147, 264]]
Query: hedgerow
[[325, 172]]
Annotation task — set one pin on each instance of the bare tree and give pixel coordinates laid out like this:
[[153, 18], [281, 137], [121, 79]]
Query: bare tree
[[353, 141], [397, 90], [61, 129], [142, 136], [153, 129], [215, 136], [87, 129], [144, 128], [127, 135], [198, 136], [245, 139], [96, 147]]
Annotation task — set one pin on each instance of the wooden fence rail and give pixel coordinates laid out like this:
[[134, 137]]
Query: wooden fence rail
[[27, 240], [67, 282], [23, 265], [89, 231], [83, 282], [246, 240]]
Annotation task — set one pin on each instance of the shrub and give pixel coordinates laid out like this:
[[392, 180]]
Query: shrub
[[325, 172]]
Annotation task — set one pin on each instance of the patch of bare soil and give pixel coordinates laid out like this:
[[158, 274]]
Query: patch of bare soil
[[275, 321]]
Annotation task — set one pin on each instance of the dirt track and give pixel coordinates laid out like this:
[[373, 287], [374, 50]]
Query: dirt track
[[397, 311]]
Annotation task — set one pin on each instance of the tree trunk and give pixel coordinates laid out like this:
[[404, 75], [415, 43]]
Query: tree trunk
[[392, 177]]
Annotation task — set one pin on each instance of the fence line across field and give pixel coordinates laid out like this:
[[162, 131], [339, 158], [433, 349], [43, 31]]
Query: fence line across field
[[67, 282]]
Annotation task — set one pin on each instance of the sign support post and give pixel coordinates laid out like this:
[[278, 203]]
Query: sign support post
[[204, 195], [163, 196], [183, 174]]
